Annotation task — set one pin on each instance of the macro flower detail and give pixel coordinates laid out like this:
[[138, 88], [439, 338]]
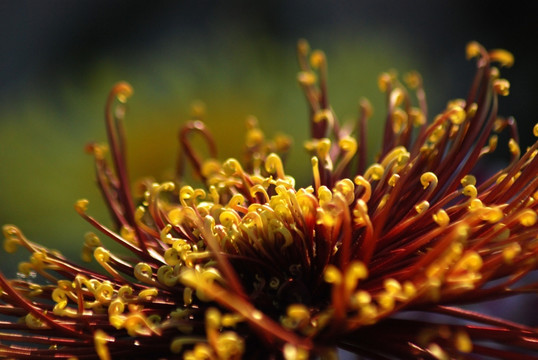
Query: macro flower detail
[[378, 260]]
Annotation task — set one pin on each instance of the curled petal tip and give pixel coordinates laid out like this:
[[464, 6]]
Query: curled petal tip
[[122, 91], [503, 57]]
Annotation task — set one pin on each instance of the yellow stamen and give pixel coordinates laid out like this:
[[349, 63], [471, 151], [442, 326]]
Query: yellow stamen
[[81, 206], [463, 342], [144, 273], [510, 252], [456, 114], [501, 87], [315, 171], [383, 81], [428, 179], [273, 164], [468, 180], [527, 217], [393, 179], [356, 271], [332, 275], [473, 49], [503, 57], [470, 191], [101, 339], [514, 148], [413, 79], [399, 120], [306, 78], [374, 172], [422, 206], [417, 117], [441, 218]]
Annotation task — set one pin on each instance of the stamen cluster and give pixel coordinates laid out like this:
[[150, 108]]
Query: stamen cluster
[[252, 265]]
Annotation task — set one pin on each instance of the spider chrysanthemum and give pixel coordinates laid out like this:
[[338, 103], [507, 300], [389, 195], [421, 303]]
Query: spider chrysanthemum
[[378, 260]]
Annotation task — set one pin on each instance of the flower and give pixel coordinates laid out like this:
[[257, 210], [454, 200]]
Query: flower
[[378, 260]]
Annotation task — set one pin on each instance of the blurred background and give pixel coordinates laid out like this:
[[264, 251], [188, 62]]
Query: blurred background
[[58, 60]]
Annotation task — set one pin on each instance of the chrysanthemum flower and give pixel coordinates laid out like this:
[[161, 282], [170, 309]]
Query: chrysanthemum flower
[[379, 260]]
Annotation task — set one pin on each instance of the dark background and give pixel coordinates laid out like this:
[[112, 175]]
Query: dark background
[[58, 59], [44, 43]]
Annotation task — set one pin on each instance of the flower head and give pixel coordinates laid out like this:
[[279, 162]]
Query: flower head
[[379, 260]]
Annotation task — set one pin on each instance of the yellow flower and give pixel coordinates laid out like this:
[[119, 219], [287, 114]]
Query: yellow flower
[[377, 260]]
